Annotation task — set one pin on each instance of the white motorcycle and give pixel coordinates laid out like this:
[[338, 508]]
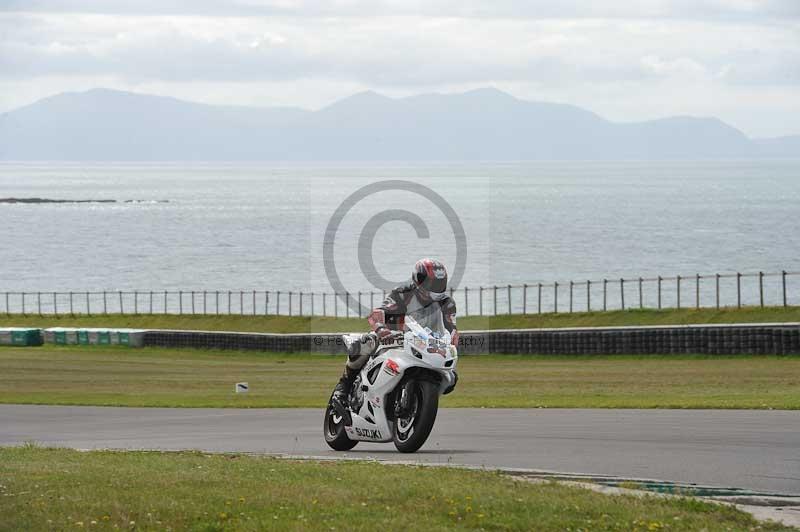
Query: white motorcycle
[[396, 395]]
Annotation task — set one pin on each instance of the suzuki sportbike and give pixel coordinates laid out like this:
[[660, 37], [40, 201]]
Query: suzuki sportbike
[[395, 397]]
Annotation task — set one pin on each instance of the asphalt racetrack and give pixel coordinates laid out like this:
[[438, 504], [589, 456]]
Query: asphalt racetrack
[[752, 449]]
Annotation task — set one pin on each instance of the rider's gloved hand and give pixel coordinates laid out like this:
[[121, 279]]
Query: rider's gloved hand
[[385, 335]]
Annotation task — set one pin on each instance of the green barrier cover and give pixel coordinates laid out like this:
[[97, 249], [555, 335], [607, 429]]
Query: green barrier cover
[[103, 337], [83, 337], [91, 336]]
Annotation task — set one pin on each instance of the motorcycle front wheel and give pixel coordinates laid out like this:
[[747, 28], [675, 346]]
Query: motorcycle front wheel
[[411, 430], [335, 435]]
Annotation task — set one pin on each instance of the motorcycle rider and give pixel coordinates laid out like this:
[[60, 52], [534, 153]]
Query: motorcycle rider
[[424, 298]]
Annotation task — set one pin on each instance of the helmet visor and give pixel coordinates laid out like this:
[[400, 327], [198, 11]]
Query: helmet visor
[[435, 286]]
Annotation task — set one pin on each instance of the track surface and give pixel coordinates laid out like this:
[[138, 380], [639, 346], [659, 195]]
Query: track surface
[[758, 450]]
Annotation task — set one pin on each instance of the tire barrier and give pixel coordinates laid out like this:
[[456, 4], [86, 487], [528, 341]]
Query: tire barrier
[[779, 339], [775, 339], [287, 343], [20, 336]]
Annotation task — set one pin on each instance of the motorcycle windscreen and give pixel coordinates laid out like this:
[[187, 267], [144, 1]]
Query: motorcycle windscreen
[[429, 316]]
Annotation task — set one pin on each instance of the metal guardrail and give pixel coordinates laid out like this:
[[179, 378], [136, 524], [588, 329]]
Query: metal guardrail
[[690, 291]]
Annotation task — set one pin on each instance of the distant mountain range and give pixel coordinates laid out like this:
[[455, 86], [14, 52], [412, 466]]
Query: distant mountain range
[[483, 124]]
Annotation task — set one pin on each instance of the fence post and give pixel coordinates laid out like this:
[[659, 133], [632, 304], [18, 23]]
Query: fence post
[[254, 302], [324, 304], [192, 302], [570, 297], [371, 300], [761, 288], [555, 297], [180, 302], [121, 308], [88, 307], [8, 311], [659, 292], [509, 299], [494, 306], [359, 304], [480, 300], [23, 303], [241, 302], [622, 292], [679, 290], [277, 303], [71, 313], [166, 293], [300, 313], [105, 303], [466, 301], [605, 294], [151, 302], [783, 282], [717, 283], [266, 302], [39, 302], [588, 295], [738, 290], [312, 303], [347, 304], [641, 297], [697, 291], [524, 299], [335, 305], [539, 298], [135, 302], [55, 303]]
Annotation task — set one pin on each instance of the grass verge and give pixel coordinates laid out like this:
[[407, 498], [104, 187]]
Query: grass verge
[[49, 489], [295, 324], [118, 376]]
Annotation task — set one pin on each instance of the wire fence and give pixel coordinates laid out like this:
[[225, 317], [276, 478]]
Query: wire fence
[[691, 291]]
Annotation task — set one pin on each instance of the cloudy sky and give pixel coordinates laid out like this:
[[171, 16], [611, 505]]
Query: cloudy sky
[[738, 60]]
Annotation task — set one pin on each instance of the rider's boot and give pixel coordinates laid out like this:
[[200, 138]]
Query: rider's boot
[[341, 393]]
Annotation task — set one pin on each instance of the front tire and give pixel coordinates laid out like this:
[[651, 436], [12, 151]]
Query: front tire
[[335, 435], [411, 431]]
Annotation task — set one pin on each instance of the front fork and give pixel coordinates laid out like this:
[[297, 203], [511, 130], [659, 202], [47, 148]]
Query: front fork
[[402, 406]]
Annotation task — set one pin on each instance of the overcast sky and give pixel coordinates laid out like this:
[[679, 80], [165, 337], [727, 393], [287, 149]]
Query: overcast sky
[[738, 60]]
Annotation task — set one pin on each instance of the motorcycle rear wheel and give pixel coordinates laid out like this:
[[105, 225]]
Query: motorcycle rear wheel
[[335, 435], [411, 431]]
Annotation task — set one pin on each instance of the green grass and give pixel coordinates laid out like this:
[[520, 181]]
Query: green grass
[[119, 376], [293, 324], [49, 489]]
